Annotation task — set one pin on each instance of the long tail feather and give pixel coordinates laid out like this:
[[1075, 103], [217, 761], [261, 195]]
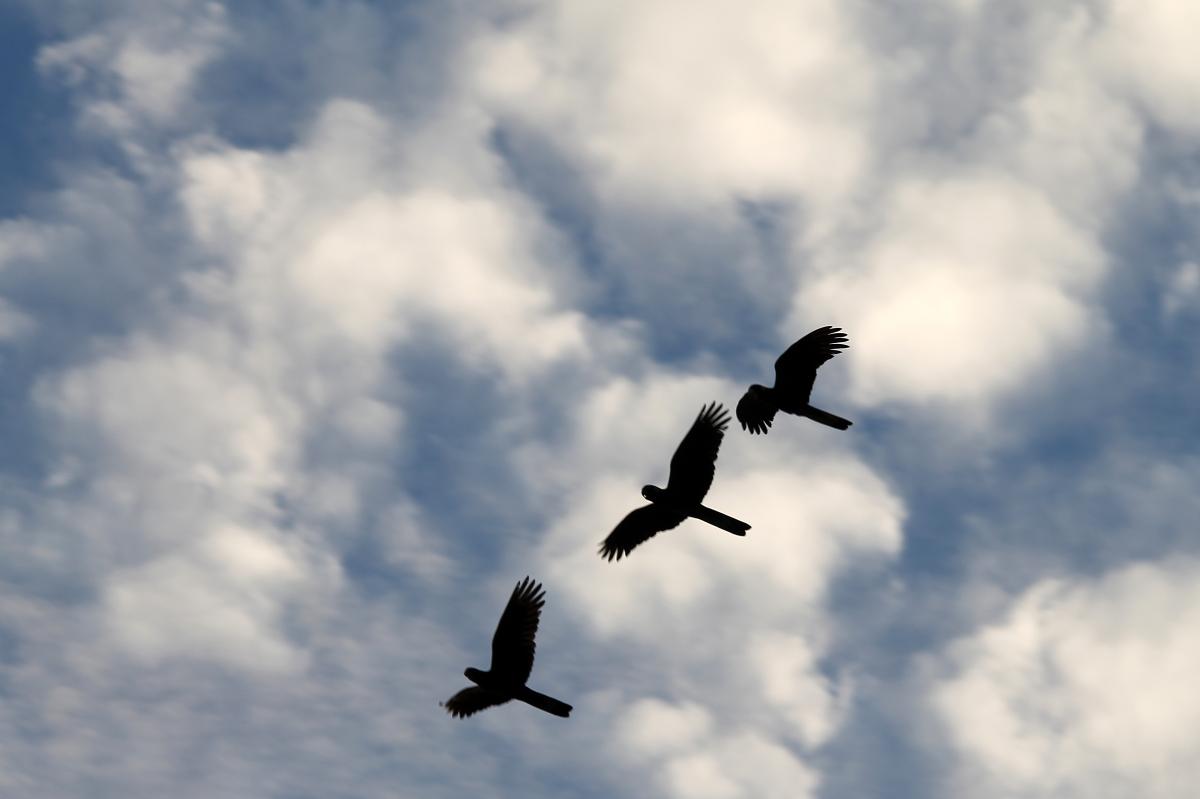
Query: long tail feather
[[827, 418], [543, 702], [718, 519]]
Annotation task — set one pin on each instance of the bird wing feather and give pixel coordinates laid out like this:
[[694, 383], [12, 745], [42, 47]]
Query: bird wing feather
[[471, 700], [513, 644], [638, 526], [755, 412], [695, 459], [796, 369]]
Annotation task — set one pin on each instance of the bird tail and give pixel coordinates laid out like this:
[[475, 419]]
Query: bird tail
[[718, 519], [543, 702], [827, 418]]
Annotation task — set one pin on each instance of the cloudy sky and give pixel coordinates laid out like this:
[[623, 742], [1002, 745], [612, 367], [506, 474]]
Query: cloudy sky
[[324, 322]]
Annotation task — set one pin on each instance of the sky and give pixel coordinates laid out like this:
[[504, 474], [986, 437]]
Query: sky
[[324, 322]]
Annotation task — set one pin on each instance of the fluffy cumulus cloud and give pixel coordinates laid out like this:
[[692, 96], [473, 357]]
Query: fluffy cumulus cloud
[[369, 240], [140, 73], [328, 322], [986, 255], [974, 282], [1145, 50], [663, 103], [697, 761], [1081, 689]]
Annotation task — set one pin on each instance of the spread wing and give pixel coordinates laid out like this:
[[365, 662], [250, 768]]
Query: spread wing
[[512, 645], [755, 411], [796, 369], [695, 459], [638, 526], [472, 700]]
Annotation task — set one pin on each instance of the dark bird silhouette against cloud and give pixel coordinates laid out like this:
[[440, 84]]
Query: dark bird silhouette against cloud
[[692, 469], [795, 373], [512, 660]]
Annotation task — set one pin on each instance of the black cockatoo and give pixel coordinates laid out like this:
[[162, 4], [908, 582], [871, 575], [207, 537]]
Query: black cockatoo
[[512, 660], [692, 468], [795, 373]]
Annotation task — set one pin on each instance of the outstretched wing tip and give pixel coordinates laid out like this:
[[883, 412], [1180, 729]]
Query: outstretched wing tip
[[638, 526], [806, 354], [608, 553], [715, 415], [530, 589], [514, 642], [470, 701]]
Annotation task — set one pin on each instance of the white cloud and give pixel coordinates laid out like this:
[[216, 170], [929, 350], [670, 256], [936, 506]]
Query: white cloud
[[193, 416], [175, 459], [972, 283], [667, 101], [694, 759], [1146, 49], [1082, 690], [218, 599], [653, 728], [139, 70], [978, 266], [339, 234], [786, 665]]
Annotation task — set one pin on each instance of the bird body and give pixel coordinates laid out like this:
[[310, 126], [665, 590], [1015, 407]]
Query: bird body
[[504, 691], [795, 374], [695, 510], [512, 660], [692, 468]]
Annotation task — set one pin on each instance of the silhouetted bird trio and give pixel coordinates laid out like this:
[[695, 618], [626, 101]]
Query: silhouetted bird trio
[[692, 468]]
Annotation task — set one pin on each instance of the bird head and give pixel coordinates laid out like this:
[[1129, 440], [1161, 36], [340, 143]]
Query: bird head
[[651, 492], [473, 674]]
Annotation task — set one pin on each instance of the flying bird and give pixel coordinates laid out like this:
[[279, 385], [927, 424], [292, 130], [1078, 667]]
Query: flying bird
[[512, 660], [795, 373], [692, 468]]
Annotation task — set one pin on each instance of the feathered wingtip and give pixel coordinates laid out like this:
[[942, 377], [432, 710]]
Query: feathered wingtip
[[529, 590], [609, 552], [834, 335], [714, 414]]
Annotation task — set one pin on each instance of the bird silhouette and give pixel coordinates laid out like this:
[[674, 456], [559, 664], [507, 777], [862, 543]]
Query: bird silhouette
[[795, 373], [512, 660], [692, 468]]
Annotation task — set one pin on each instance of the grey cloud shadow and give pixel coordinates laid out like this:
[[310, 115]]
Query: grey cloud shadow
[[700, 286]]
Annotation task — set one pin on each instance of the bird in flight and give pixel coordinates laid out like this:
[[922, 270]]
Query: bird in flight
[[692, 468], [795, 373], [512, 660]]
